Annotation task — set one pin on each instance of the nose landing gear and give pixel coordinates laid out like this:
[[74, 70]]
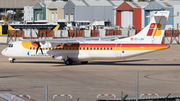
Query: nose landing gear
[[11, 60]]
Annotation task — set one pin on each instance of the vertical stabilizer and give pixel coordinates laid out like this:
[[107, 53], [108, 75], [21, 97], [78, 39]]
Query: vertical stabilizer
[[153, 33]]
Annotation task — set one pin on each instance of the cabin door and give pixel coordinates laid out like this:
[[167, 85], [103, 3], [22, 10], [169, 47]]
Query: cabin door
[[118, 50]]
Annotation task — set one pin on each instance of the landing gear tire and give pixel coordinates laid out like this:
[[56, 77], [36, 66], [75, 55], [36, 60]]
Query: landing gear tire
[[12, 61], [84, 62], [68, 62]]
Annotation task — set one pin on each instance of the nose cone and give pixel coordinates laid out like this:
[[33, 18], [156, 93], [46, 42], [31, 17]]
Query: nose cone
[[2, 52]]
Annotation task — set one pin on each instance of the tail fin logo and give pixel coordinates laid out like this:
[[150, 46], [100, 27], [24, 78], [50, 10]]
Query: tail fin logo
[[154, 29]]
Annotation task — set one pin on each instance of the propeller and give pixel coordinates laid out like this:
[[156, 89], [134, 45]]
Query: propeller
[[39, 47]]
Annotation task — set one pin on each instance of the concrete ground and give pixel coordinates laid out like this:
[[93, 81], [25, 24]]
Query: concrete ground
[[159, 72]]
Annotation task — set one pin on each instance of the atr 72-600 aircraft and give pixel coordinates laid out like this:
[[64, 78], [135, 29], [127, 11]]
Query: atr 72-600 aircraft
[[86, 49]]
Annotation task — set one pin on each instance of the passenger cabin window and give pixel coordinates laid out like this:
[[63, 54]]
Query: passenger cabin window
[[104, 48], [101, 48], [87, 48], [30, 48], [97, 48], [91, 48], [11, 45]]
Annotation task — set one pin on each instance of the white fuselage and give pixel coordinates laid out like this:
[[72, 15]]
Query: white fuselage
[[86, 51]]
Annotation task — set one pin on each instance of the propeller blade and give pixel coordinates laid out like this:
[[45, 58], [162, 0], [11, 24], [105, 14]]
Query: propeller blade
[[39, 46], [41, 51], [37, 50]]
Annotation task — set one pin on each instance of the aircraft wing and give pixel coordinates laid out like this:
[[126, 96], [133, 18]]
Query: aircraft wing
[[77, 40]]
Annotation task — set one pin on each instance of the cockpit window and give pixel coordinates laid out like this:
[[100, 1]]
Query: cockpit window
[[11, 45]]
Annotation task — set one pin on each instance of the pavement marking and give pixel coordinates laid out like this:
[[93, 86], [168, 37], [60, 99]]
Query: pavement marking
[[148, 77]]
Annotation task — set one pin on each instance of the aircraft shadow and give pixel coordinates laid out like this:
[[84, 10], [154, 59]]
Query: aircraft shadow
[[120, 63], [127, 63], [132, 64], [40, 62], [10, 76]]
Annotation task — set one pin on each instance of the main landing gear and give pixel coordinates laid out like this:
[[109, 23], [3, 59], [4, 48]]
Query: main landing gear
[[11, 60], [68, 62]]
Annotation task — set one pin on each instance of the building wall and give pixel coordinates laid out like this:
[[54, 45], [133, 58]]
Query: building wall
[[36, 12], [147, 19], [170, 19], [44, 13], [92, 13], [137, 18], [60, 12], [177, 19], [118, 18], [69, 8], [89, 13], [50, 12], [28, 13]]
